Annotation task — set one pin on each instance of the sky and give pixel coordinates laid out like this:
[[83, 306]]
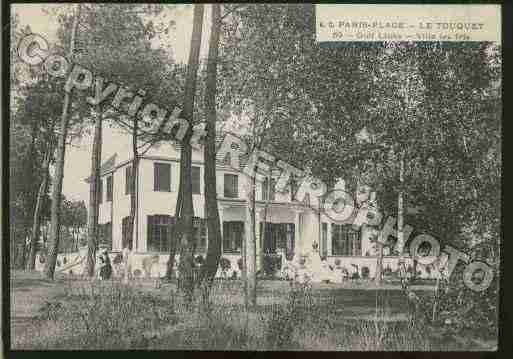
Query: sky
[[78, 154]]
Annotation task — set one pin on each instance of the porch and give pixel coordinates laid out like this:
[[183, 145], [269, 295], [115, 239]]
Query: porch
[[278, 229]]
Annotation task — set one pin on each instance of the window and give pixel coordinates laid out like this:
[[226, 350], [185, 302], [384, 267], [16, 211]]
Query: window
[[345, 241], [100, 190], [294, 187], [159, 232], [277, 236], [231, 186], [200, 233], [126, 236], [128, 180], [109, 188], [105, 234], [266, 189], [324, 239], [233, 234], [162, 177], [196, 173]]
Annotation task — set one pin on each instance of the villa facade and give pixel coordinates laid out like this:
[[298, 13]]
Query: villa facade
[[293, 228]]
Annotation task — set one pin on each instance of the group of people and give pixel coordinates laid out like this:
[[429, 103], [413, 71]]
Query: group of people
[[311, 268], [104, 267]]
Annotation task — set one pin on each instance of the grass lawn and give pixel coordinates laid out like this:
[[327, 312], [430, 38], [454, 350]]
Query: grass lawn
[[77, 314], [29, 292]]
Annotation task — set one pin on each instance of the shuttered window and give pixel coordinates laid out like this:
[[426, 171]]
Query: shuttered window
[[200, 233], [100, 190], [128, 180], [159, 233], [162, 177], [233, 235], [231, 186], [109, 188], [196, 173], [126, 236], [105, 235], [268, 191]]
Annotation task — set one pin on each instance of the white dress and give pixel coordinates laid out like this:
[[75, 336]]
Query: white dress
[[320, 270], [127, 254]]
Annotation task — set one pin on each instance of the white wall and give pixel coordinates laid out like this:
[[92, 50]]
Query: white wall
[[151, 202], [104, 214], [120, 206]]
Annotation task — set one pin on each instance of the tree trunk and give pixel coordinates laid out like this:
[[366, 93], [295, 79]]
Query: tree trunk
[[23, 249], [379, 264], [92, 219], [53, 245], [212, 212], [30, 197], [37, 211], [400, 220], [265, 226], [186, 213], [174, 232], [132, 231], [250, 246]]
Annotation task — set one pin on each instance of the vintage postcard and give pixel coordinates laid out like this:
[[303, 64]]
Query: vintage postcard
[[253, 177]]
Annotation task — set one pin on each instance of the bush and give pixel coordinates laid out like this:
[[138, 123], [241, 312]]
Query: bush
[[467, 309], [271, 264]]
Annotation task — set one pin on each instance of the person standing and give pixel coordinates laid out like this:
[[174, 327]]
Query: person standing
[[106, 269]]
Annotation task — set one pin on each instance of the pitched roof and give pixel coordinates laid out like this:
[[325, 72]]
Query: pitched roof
[[110, 163], [106, 166]]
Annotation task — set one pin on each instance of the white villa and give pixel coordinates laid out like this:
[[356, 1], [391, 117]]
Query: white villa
[[294, 230]]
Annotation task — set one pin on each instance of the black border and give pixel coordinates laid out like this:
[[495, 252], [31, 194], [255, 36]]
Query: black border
[[505, 348]]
